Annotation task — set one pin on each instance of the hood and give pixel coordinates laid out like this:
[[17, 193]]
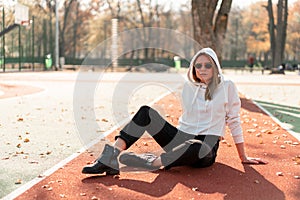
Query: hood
[[213, 55]]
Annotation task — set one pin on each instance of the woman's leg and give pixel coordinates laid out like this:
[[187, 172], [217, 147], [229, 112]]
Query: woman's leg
[[120, 144], [199, 152], [148, 119]]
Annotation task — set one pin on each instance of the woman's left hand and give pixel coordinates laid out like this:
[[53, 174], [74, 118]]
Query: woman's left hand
[[250, 160]]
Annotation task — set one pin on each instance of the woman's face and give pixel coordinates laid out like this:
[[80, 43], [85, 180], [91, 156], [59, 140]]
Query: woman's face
[[204, 68]]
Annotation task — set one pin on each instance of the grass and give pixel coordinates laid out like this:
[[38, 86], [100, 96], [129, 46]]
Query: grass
[[286, 114]]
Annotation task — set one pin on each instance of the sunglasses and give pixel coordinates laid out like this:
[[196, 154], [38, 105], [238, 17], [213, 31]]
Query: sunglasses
[[206, 65]]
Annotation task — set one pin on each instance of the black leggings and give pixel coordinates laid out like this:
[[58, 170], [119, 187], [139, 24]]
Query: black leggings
[[180, 148]]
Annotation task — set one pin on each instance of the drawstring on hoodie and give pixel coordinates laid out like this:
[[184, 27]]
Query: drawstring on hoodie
[[206, 105], [195, 96], [200, 86]]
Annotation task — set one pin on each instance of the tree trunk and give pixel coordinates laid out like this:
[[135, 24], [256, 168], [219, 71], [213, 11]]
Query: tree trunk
[[278, 38], [281, 31], [209, 31], [75, 26], [271, 30], [144, 25], [67, 7]]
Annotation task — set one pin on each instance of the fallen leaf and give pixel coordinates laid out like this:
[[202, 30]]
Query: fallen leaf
[[26, 140], [296, 159], [288, 142], [33, 162], [297, 177], [145, 143], [82, 194], [256, 181], [20, 119], [19, 145], [251, 130], [282, 147], [223, 141], [116, 176], [18, 181], [279, 173], [261, 142], [104, 120], [267, 131], [195, 189]]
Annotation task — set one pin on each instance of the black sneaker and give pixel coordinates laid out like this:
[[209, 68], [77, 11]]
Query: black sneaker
[[144, 160]]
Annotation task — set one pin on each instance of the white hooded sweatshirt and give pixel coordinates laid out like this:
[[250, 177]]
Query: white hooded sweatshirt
[[204, 117]]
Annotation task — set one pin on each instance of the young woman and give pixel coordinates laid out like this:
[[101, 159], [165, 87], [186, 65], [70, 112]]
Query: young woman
[[209, 104]]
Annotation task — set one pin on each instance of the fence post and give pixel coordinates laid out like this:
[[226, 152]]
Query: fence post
[[20, 48], [3, 38], [32, 53]]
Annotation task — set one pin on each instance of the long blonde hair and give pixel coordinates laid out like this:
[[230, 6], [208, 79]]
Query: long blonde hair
[[213, 84]]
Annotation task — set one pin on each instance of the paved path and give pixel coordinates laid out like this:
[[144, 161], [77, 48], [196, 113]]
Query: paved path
[[226, 179], [40, 129]]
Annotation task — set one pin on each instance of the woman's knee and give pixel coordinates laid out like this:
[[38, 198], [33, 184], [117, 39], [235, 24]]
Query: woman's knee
[[144, 108]]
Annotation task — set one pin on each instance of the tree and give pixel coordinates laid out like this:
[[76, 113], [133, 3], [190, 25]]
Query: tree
[[208, 29], [68, 6], [256, 31], [278, 32], [293, 36]]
